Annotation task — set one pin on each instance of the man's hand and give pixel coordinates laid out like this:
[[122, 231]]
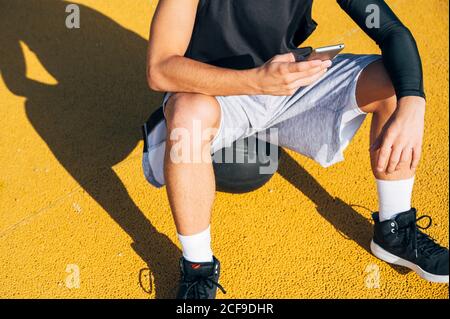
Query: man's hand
[[283, 76], [400, 143]]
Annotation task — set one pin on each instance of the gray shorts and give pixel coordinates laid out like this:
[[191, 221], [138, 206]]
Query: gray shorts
[[317, 121]]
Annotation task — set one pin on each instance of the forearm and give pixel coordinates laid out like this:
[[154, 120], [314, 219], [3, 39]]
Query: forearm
[[181, 74], [402, 61], [400, 54]]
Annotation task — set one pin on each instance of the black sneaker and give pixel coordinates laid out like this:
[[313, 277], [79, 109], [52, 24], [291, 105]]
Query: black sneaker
[[199, 280], [399, 241]]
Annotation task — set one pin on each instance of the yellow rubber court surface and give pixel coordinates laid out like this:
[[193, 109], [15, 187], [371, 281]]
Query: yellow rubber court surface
[[78, 219]]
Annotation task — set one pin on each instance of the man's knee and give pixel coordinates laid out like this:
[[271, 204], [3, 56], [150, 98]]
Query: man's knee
[[192, 118], [184, 109], [374, 91]]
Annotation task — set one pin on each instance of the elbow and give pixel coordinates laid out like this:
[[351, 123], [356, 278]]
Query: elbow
[[155, 79], [405, 32], [396, 29]]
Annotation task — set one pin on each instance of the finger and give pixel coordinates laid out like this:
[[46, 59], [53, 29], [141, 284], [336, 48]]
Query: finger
[[377, 144], [287, 57], [301, 67], [394, 158], [416, 154], [294, 76], [383, 156], [405, 159], [306, 65], [307, 80]]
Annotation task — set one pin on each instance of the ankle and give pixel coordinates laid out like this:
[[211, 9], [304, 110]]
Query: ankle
[[197, 247], [394, 197]]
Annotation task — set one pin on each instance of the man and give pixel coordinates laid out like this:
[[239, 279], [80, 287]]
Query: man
[[229, 64]]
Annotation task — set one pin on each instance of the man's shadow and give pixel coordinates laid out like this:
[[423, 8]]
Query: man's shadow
[[91, 120], [345, 219]]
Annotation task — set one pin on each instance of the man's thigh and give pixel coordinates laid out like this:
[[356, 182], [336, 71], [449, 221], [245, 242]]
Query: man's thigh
[[374, 86], [319, 121]]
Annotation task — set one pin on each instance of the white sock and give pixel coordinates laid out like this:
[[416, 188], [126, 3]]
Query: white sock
[[197, 248], [394, 197]]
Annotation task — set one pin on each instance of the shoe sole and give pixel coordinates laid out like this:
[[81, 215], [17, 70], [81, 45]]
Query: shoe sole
[[392, 259]]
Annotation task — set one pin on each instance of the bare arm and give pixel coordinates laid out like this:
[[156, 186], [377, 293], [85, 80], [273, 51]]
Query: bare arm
[[168, 69]]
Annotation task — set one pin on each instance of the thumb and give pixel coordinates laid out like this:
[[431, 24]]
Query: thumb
[[287, 57]]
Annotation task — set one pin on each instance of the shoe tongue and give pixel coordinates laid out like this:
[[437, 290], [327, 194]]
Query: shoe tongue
[[406, 218], [193, 269]]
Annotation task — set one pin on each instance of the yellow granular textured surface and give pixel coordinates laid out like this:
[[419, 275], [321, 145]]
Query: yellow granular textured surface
[[78, 219]]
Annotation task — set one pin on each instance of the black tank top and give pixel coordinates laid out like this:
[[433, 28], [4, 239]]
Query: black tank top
[[242, 34]]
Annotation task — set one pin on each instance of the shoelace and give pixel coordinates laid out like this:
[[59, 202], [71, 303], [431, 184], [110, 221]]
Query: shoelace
[[422, 241], [201, 282]]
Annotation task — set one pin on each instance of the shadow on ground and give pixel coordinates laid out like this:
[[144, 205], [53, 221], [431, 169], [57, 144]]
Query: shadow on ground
[[345, 219], [91, 120]]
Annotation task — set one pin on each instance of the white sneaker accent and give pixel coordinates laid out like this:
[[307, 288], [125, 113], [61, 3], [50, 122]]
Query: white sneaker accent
[[392, 259]]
